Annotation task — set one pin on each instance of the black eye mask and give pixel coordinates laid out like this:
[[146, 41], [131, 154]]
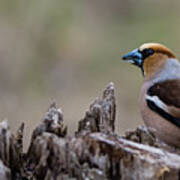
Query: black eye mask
[[146, 53]]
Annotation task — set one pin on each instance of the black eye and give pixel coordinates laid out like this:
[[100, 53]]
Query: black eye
[[147, 52]]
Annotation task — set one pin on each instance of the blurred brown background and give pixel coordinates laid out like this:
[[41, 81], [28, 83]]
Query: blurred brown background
[[69, 50]]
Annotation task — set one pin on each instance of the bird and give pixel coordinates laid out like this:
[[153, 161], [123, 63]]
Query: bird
[[159, 98]]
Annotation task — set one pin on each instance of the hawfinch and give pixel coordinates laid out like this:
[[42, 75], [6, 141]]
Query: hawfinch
[[160, 92]]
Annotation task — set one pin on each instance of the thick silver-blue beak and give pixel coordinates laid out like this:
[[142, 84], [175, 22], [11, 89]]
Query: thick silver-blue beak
[[135, 57]]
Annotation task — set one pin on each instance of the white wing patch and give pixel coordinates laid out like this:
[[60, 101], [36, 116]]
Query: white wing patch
[[157, 101]]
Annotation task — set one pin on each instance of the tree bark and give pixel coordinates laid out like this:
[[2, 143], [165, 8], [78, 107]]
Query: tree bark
[[95, 151]]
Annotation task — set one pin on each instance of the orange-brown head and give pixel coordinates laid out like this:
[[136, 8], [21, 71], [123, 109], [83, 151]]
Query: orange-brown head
[[150, 57]]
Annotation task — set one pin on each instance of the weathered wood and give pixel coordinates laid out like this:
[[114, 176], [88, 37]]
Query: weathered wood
[[101, 115], [10, 152], [94, 152]]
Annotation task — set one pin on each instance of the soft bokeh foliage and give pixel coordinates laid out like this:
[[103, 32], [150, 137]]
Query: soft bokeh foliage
[[69, 50]]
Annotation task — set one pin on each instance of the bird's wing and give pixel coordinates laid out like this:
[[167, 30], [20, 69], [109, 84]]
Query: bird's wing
[[164, 99]]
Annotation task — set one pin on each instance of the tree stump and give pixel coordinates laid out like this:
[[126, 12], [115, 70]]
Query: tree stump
[[94, 152]]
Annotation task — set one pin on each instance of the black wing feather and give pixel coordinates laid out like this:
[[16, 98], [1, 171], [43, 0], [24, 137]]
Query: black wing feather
[[169, 93], [164, 114]]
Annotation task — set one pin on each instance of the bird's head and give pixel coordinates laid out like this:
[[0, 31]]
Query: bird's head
[[150, 57]]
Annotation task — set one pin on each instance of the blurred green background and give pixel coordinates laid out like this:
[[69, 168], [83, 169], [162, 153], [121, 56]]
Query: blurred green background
[[68, 51]]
